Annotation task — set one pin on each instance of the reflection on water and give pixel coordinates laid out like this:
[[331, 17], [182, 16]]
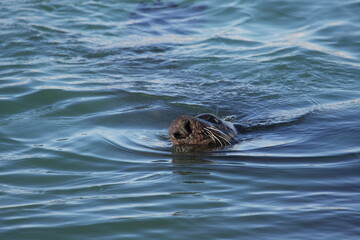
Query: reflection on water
[[89, 88]]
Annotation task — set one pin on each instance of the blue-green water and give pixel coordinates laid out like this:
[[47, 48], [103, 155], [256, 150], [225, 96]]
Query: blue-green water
[[88, 89]]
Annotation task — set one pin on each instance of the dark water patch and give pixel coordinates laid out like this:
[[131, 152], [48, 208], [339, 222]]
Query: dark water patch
[[160, 17], [130, 51], [283, 15], [48, 29], [40, 102], [231, 14], [233, 43]]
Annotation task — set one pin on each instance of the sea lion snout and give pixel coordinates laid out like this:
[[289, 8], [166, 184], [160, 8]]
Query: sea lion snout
[[181, 128]]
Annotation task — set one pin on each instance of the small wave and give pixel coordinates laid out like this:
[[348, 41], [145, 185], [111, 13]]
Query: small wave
[[138, 142]]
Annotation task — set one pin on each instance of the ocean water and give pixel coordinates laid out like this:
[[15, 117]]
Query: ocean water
[[88, 89]]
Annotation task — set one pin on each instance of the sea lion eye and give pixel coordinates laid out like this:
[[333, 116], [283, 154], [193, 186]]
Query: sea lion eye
[[208, 117]]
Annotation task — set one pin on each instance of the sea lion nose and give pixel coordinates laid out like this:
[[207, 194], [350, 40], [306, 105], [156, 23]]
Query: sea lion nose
[[181, 128], [179, 135]]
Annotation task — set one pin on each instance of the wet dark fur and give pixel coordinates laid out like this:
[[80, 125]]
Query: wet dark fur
[[203, 130]]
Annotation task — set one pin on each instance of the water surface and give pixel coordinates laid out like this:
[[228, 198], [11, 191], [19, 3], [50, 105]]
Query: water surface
[[88, 89]]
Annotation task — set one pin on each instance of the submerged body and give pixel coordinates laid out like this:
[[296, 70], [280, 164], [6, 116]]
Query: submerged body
[[202, 130]]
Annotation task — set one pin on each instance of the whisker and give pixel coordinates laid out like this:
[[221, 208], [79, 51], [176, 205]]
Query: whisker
[[226, 141], [220, 135], [215, 136], [210, 134]]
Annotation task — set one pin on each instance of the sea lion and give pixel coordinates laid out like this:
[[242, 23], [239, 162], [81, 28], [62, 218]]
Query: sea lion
[[202, 130]]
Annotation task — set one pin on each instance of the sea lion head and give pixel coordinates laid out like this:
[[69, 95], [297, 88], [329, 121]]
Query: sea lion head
[[203, 130]]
